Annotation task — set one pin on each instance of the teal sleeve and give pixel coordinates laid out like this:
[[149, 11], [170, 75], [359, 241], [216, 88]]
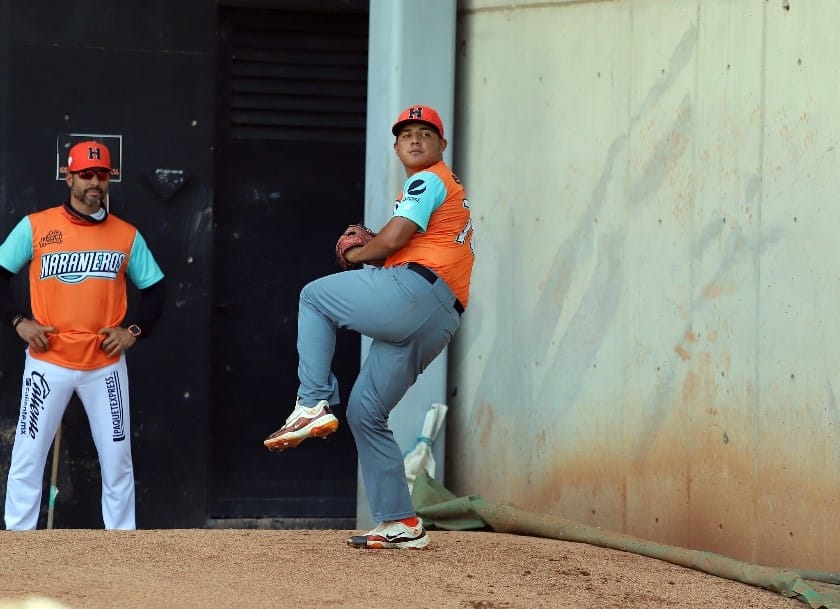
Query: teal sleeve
[[422, 194], [143, 270], [16, 251]]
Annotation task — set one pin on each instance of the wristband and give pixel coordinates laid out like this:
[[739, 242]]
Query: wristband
[[17, 319]]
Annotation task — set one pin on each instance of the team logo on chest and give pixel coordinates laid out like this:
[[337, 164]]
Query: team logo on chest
[[51, 238], [75, 267]]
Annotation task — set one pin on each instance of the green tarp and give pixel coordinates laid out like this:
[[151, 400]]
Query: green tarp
[[440, 508]]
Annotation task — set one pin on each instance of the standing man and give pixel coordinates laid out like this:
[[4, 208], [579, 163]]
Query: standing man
[[79, 256], [409, 304]]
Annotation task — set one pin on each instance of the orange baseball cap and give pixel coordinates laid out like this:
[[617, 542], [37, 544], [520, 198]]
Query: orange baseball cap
[[418, 114], [87, 155]]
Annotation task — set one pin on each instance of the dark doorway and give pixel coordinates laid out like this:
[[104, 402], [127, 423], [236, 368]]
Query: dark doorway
[[289, 178]]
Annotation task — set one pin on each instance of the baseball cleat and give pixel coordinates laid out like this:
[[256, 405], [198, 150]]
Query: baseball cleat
[[394, 535], [304, 422]]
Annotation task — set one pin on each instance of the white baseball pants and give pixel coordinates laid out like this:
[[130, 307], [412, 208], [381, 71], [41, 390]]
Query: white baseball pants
[[46, 391]]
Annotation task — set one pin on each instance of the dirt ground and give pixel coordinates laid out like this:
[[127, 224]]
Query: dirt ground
[[238, 569]]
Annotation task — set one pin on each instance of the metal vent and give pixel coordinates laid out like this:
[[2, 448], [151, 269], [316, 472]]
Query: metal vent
[[295, 76]]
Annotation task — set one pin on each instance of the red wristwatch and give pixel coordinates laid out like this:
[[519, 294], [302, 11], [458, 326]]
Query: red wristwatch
[[135, 330]]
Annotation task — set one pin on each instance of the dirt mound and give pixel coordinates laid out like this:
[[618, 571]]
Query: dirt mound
[[185, 569]]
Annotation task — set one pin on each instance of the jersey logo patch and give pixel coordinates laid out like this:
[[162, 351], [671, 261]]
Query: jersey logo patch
[[51, 238], [417, 187], [75, 267]]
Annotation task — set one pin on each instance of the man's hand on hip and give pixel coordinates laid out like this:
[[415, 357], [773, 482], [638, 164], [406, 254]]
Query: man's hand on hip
[[35, 334], [116, 340]]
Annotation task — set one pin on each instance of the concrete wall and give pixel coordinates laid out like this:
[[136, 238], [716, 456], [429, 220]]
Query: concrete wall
[[652, 343]]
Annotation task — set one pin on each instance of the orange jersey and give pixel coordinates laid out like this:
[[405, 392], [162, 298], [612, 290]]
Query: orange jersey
[[435, 200], [77, 280]]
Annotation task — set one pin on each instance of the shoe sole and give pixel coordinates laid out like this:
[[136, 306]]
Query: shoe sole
[[322, 430], [363, 543]]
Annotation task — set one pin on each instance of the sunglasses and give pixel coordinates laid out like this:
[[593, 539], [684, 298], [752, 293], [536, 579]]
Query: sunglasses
[[101, 174]]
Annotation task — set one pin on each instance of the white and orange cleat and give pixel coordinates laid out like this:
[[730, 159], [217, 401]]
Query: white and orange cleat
[[304, 422], [394, 535]]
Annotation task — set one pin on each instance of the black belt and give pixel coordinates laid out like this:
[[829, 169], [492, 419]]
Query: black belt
[[430, 276]]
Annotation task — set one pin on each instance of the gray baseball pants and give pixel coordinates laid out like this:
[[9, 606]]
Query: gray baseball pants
[[410, 321]]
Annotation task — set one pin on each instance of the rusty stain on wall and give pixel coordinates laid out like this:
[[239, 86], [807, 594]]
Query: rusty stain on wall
[[655, 355]]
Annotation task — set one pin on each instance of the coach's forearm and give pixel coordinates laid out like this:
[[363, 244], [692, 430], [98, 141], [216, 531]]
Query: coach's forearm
[[150, 307]]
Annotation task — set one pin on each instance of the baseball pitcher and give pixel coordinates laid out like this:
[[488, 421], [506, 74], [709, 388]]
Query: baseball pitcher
[[409, 301]]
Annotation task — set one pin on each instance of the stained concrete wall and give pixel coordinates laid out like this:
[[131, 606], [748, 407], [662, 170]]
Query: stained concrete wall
[[652, 344]]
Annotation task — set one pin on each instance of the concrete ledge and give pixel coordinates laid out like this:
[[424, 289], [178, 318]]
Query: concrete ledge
[[281, 523]]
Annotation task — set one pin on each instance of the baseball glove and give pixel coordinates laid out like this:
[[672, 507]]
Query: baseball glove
[[354, 236]]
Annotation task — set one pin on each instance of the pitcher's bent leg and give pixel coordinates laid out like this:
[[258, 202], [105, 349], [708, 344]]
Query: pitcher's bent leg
[[368, 301], [316, 348]]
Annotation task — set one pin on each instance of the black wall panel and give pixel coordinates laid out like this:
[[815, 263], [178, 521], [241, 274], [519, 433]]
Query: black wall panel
[[144, 71], [148, 72], [185, 26], [11, 363], [290, 177]]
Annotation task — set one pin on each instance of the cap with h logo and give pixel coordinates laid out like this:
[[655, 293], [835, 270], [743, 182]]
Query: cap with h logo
[[88, 155], [418, 114]]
